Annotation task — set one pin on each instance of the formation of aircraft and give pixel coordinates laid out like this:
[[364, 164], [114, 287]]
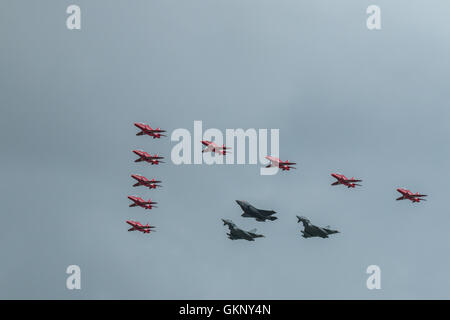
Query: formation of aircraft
[[351, 183], [146, 129], [143, 181], [236, 233], [144, 156], [311, 230], [283, 165], [408, 195], [212, 147], [137, 201], [341, 179], [251, 212], [137, 226]]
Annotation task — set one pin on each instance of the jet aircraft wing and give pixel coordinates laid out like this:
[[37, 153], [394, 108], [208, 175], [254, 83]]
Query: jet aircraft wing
[[266, 212]]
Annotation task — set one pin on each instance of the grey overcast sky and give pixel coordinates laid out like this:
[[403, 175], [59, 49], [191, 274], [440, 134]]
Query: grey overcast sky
[[369, 104]]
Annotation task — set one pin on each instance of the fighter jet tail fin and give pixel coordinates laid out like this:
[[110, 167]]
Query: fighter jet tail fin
[[304, 220]]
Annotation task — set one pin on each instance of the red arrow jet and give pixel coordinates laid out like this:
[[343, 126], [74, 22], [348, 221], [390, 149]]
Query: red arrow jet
[[341, 179], [142, 203], [212, 147], [143, 181], [146, 129], [414, 197], [283, 165], [137, 226], [144, 156]]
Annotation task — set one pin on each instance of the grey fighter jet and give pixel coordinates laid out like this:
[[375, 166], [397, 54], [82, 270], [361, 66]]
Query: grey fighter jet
[[311, 230], [251, 212], [236, 233]]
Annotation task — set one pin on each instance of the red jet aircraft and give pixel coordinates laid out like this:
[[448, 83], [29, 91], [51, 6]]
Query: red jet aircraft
[[137, 226], [212, 147], [283, 165], [341, 179], [144, 156], [142, 203], [414, 197], [146, 129], [143, 181]]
